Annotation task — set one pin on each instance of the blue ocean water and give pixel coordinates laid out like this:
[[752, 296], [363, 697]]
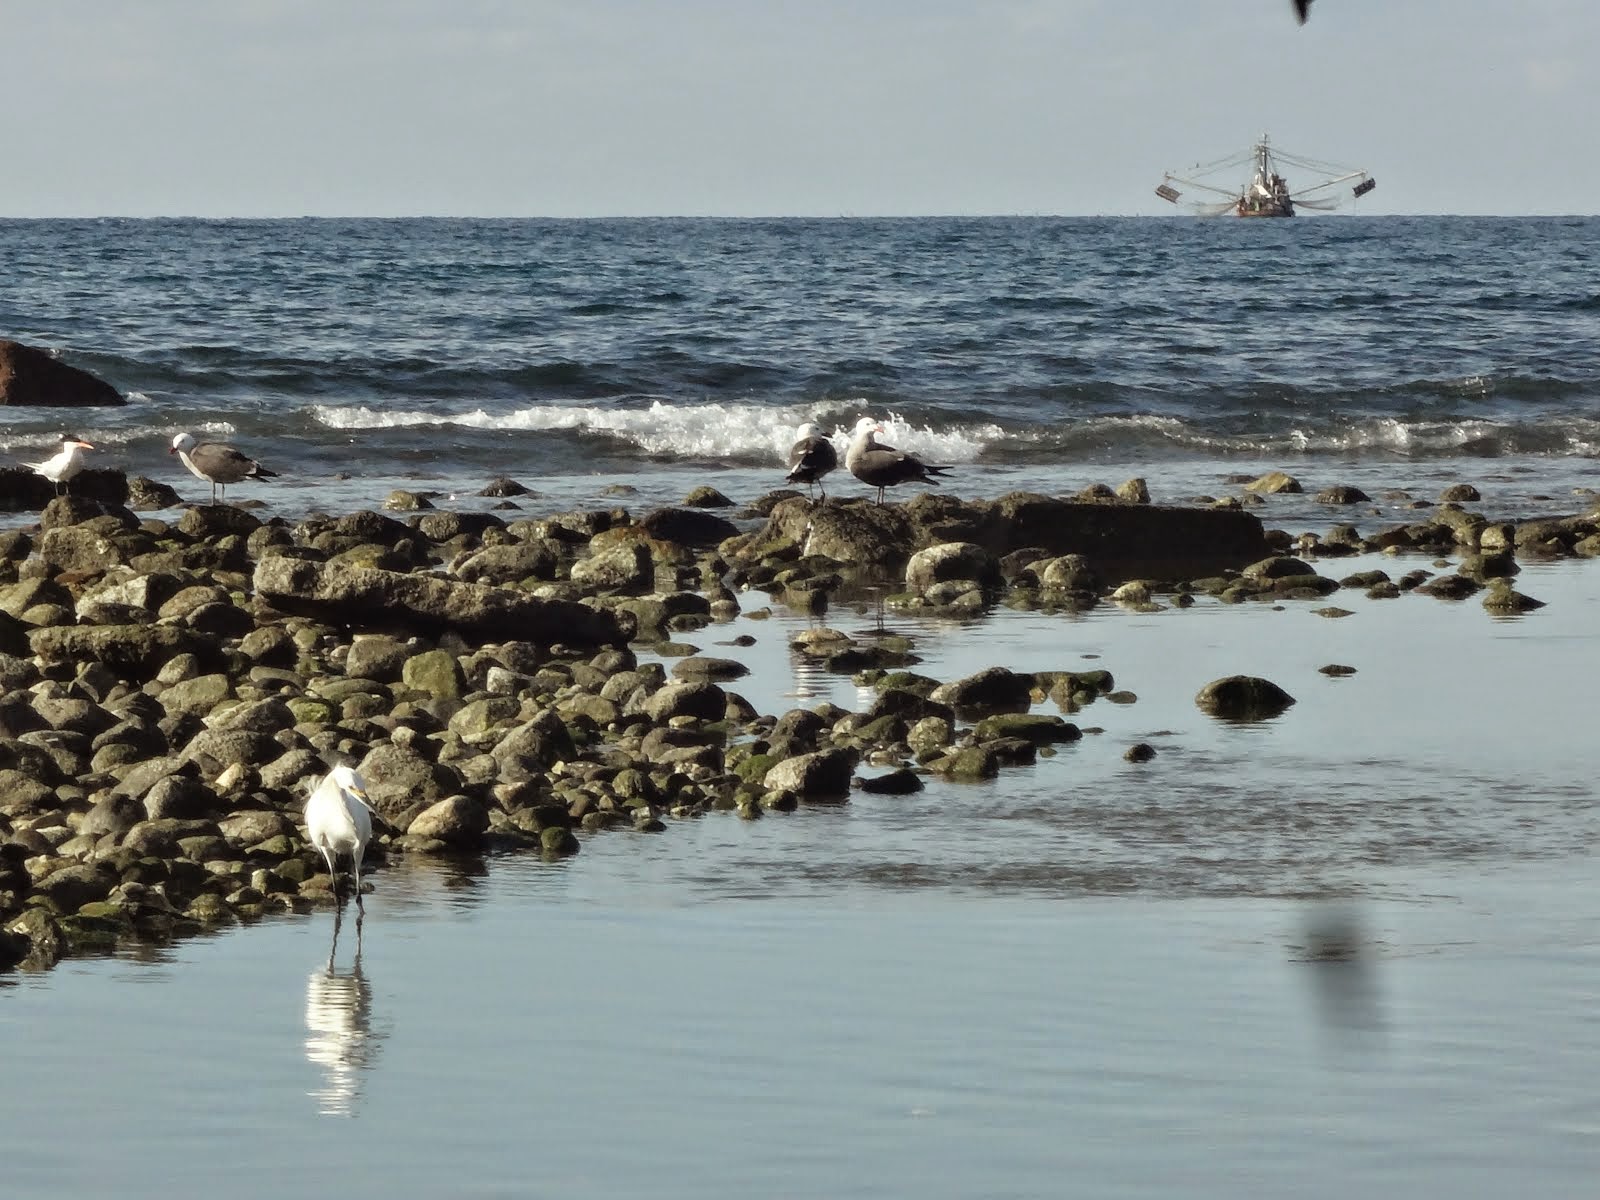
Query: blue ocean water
[[1045, 351]]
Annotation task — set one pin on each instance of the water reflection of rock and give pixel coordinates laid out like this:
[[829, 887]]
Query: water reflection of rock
[[340, 1037]]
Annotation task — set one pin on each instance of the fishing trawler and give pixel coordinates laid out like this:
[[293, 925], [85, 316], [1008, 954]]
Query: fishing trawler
[[1267, 194]]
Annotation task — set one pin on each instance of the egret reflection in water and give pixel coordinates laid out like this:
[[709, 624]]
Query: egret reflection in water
[[339, 1033]]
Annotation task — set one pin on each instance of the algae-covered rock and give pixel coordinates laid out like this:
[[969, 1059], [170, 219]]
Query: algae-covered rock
[[822, 775], [1243, 698]]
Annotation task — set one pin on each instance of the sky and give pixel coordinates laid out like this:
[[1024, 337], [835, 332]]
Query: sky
[[591, 108]]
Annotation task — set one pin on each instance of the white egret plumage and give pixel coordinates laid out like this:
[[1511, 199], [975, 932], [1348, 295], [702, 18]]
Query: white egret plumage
[[339, 822]]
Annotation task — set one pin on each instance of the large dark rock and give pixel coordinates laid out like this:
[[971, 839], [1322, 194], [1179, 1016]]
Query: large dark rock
[[824, 775], [32, 377], [1122, 541], [1243, 698], [21, 488], [138, 651], [687, 526], [367, 598]]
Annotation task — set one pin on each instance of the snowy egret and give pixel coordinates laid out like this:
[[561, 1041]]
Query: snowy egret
[[217, 463], [339, 822], [61, 466], [880, 466]]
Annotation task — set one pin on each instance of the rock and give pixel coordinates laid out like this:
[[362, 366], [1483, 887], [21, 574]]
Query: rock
[[625, 568], [687, 526], [704, 667], [706, 701], [1041, 729], [1139, 752], [510, 563], [1243, 698], [992, 690], [136, 651], [34, 378], [367, 598], [1459, 493], [970, 763], [457, 821], [1342, 494], [1273, 483], [1502, 598], [149, 495], [114, 814], [823, 775], [501, 486], [952, 561], [901, 782], [706, 497], [1450, 587], [436, 672]]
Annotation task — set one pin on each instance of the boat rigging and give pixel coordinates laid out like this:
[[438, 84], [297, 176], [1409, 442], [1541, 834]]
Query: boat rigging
[[1267, 194]]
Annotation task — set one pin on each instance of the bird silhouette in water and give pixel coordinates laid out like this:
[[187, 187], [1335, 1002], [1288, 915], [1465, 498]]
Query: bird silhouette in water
[[339, 824], [880, 466], [66, 462], [811, 457]]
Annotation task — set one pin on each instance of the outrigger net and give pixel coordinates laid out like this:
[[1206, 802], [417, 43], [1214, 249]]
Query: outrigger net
[[1319, 196]]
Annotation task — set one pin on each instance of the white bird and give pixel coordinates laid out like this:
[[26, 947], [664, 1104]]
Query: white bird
[[339, 822], [61, 466], [217, 463], [811, 457]]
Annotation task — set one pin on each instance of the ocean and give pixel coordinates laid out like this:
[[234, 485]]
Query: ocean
[[1030, 353], [1347, 951]]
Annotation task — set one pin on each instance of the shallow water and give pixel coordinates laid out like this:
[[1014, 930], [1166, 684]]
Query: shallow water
[[1086, 971]]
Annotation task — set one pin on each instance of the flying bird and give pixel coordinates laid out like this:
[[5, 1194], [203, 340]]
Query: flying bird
[[218, 464], [810, 458], [66, 462], [339, 822], [880, 466], [1302, 9]]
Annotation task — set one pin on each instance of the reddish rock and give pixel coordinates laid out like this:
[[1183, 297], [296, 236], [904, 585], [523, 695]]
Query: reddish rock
[[30, 376]]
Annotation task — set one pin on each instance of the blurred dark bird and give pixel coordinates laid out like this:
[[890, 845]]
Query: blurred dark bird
[[1302, 9], [810, 458]]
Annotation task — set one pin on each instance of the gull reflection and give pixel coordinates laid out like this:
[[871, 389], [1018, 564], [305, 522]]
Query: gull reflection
[[1342, 957], [339, 1034]]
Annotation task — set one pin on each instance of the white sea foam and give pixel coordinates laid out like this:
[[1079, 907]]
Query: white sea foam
[[675, 430]]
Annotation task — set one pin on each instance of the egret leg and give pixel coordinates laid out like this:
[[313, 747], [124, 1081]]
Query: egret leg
[[333, 948], [355, 859], [333, 875]]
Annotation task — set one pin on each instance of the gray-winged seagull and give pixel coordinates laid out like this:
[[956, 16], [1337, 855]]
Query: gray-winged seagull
[[218, 464], [880, 466]]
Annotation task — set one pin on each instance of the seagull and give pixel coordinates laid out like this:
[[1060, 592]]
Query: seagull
[[339, 822], [810, 458], [880, 466], [216, 463], [61, 466]]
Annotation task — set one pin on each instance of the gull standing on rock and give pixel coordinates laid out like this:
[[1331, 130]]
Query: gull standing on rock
[[880, 466], [216, 463], [811, 457], [66, 462]]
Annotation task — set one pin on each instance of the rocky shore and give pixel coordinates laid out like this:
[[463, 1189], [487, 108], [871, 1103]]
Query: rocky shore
[[171, 683]]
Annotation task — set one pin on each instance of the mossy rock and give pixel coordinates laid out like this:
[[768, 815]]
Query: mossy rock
[[1243, 698], [1040, 729]]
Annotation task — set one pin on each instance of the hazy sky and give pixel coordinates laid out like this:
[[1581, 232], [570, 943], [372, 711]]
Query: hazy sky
[[776, 107]]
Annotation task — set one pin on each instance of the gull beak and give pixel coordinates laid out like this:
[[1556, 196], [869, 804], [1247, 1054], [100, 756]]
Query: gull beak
[[172, 449]]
